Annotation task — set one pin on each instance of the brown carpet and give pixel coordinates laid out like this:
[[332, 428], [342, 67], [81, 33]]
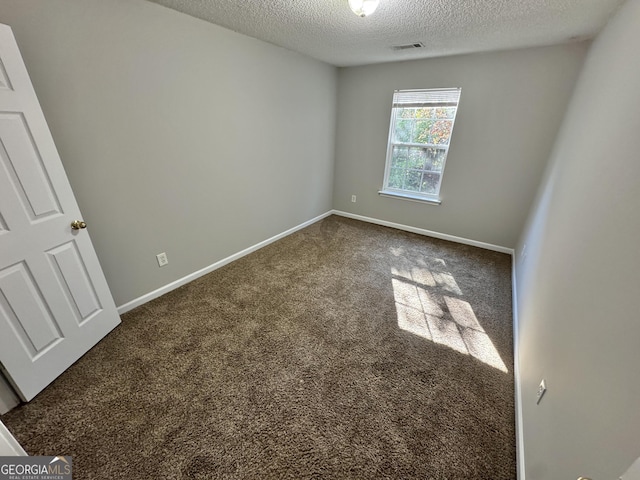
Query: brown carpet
[[345, 350]]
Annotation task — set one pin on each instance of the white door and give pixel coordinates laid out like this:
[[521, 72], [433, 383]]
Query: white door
[[54, 301]]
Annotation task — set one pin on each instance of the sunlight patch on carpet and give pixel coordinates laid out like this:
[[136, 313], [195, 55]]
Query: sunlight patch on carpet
[[425, 307]]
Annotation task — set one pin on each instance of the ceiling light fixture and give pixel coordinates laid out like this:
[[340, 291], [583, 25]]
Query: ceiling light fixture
[[362, 8]]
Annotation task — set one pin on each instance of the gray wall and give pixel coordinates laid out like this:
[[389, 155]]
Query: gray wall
[[579, 275], [177, 136], [511, 106]]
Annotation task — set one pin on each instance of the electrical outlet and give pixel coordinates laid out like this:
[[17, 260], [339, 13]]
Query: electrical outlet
[[353, 198], [162, 259], [541, 389]]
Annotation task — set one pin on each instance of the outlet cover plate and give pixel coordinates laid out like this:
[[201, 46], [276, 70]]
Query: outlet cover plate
[[162, 259], [542, 388]]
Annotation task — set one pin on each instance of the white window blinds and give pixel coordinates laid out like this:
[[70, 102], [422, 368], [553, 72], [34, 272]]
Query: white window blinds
[[440, 97]]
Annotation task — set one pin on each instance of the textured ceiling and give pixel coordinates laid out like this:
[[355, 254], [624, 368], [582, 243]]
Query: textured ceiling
[[329, 31]]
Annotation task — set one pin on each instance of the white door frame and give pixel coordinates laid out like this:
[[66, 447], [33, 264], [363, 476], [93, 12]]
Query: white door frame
[[8, 397], [9, 446]]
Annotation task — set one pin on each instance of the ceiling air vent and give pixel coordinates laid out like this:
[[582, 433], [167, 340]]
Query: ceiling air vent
[[408, 46]]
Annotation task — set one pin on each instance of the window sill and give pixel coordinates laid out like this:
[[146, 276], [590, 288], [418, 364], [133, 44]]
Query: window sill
[[409, 197]]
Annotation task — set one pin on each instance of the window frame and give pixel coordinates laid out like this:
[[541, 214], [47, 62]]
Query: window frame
[[409, 194]]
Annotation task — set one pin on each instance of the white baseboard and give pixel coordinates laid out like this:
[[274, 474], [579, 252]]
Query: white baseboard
[[516, 374], [428, 233], [192, 276], [189, 278]]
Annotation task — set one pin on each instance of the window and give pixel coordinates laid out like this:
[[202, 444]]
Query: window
[[419, 136]]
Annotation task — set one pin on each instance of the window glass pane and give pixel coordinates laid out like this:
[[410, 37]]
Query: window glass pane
[[417, 158], [429, 183], [445, 112], [406, 112], [403, 130], [399, 156], [435, 159], [441, 132], [396, 178], [413, 180], [424, 112], [422, 131]]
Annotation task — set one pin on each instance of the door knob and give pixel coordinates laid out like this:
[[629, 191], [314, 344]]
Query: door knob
[[78, 224]]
